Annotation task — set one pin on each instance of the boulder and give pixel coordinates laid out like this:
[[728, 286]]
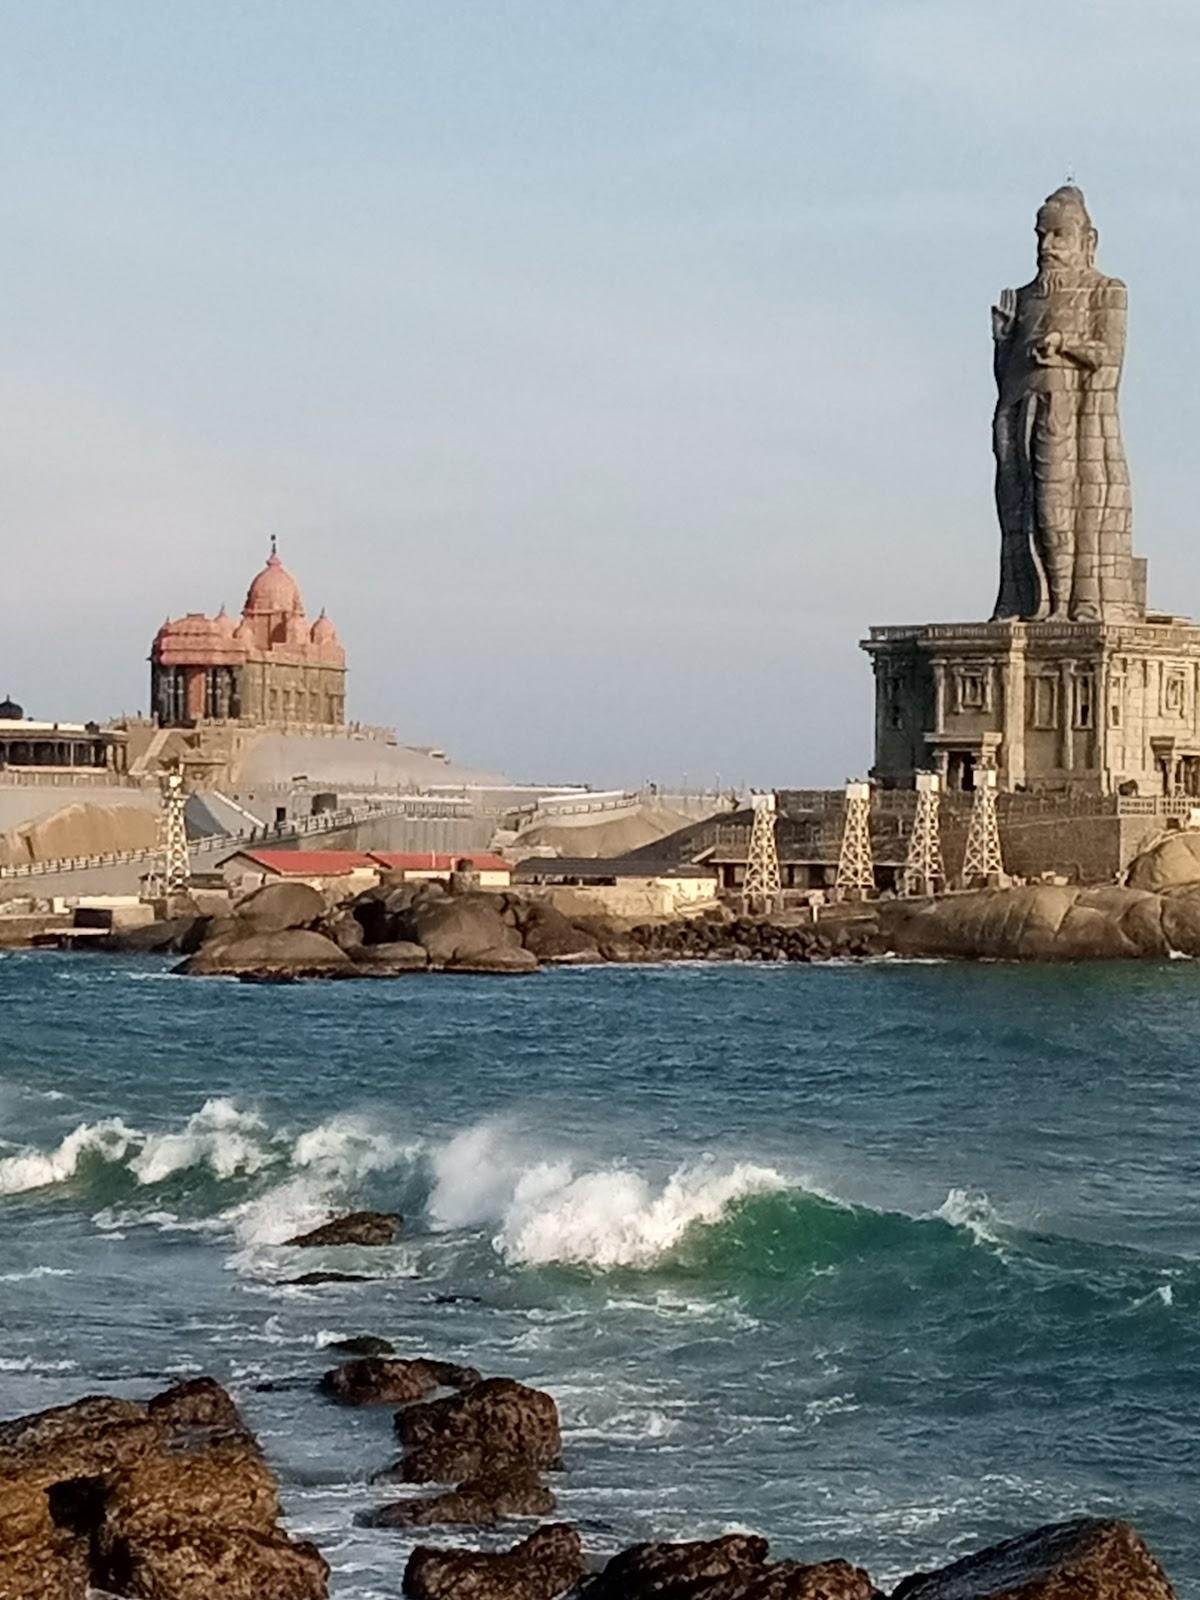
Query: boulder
[[392, 956], [344, 929], [364, 1344], [296, 953], [552, 937], [1170, 863], [1181, 920], [276, 907], [456, 929], [509, 959], [171, 936], [384, 1380], [734, 1567], [512, 1491], [1086, 1559], [356, 1227], [311, 1280], [542, 1567], [492, 1423], [169, 1500], [1042, 922]]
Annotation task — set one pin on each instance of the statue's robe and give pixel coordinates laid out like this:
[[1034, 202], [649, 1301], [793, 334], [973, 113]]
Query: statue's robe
[[1062, 484]]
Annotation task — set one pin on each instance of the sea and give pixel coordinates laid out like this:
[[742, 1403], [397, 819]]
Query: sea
[[883, 1260]]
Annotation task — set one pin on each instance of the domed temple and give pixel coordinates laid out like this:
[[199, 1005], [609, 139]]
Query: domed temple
[[270, 667]]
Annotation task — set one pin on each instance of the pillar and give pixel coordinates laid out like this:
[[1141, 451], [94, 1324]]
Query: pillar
[[1012, 727], [1066, 715]]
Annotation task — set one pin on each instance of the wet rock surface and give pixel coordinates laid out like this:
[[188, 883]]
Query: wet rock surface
[[1086, 1559], [499, 1492], [735, 1567], [495, 1423], [167, 1500], [547, 1564], [356, 1227], [384, 1380]]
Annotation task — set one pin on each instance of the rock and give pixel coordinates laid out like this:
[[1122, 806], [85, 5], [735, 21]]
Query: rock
[[296, 953], [382, 1380], [731, 1568], [1044, 922], [457, 929], [196, 1403], [363, 1344], [277, 907], [514, 1491], [495, 1422], [1172, 862], [356, 1227], [547, 1564], [1087, 1559], [1181, 920], [552, 937], [199, 1562], [171, 936], [508, 959], [310, 1280], [394, 955], [156, 1501], [344, 929]]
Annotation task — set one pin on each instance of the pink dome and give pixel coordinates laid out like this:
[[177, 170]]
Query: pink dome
[[224, 624], [323, 631], [274, 590]]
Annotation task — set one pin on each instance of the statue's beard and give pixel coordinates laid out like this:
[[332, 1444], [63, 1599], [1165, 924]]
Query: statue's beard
[[1057, 276]]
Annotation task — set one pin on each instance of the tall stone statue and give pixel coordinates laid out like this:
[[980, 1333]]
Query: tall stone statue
[[1062, 485]]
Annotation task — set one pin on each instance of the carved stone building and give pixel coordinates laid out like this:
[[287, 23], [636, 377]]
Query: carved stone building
[[1072, 687], [271, 666]]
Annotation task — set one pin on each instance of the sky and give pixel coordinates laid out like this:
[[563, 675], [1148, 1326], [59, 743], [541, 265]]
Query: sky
[[605, 367]]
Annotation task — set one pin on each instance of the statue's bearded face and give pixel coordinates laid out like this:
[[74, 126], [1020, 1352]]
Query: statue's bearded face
[[1063, 239]]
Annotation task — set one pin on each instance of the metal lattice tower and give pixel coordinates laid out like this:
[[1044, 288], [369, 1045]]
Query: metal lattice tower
[[172, 830], [763, 889], [983, 859], [923, 872], [856, 865]]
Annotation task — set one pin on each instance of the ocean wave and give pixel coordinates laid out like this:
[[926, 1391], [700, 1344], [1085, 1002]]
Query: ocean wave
[[37, 1169]]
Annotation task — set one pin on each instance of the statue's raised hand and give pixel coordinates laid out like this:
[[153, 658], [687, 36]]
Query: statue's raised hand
[[1005, 314]]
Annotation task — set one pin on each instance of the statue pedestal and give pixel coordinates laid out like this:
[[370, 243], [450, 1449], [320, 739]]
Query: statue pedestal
[[1060, 708]]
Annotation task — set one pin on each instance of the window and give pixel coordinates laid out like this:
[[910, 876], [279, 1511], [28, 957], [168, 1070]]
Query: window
[[1174, 694], [1084, 700], [894, 693], [972, 691], [1045, 702], [1116, 702]]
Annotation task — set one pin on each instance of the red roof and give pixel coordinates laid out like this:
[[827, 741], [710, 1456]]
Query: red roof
[[438, 860], [309, 863]]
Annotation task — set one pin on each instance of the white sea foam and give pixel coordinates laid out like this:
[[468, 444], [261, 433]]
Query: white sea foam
[[546, 1211], [971, 1209], [36, 1272], [220, 1135], [38, 1169], [32, 1364]]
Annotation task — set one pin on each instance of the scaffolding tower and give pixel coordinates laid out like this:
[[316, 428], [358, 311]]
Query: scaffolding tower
[[856, 865], [172, 834], [923, 871], [762, 891], [983, 861]]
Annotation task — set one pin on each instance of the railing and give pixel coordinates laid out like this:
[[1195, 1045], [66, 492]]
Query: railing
[[66, 778], [209, 844]]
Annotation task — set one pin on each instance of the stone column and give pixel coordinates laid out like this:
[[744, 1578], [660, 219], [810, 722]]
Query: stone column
[[1012, 725], [939, 696], [1066, 710]]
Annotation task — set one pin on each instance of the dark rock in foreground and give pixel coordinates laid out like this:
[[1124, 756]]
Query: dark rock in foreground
[[170, 1500], [732, 1568], [495, 1423], [514, 1491], [542, 1567], [356, 1227], [364, 1344], [311, 1280], [1087, 1559], [382, 1380], [292, 953]]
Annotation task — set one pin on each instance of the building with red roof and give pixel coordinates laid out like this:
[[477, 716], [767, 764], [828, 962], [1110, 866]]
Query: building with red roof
[[247, 869]]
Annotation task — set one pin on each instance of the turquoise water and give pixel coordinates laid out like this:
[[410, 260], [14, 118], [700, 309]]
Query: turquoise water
[[882, 1261]]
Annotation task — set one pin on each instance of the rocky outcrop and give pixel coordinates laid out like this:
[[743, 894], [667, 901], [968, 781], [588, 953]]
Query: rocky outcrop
[[547, 1564], [458, 930], [1171, 863], [391, 958], [384, 1380], [550, 936], [1082, 1560], [295, 953], [1044, 922], [731, 1568], [169, 1500], [171, 936], [495, 1423], [364, 1344], [356, 1227], [276, 907], [509, 1491]]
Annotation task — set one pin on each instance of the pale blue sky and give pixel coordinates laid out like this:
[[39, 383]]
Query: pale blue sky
[[604, 368]]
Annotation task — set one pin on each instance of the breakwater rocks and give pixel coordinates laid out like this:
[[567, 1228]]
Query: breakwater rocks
[[287, 931], [172, 1499]]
